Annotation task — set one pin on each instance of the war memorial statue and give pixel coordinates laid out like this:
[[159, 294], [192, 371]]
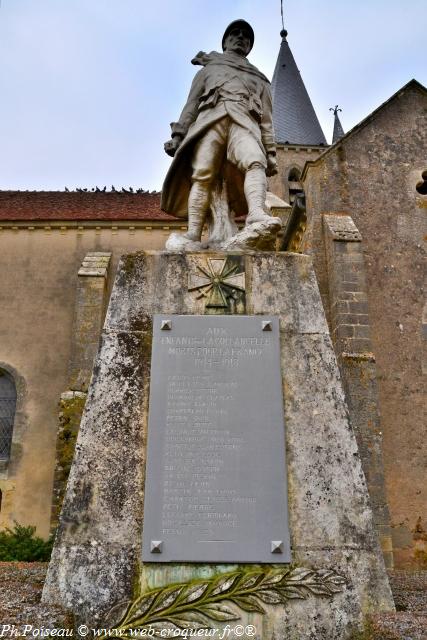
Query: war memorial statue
[[202, 408], [223, 148]]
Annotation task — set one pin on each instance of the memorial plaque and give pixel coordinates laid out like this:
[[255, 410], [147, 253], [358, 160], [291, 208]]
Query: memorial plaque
[[215, 487]]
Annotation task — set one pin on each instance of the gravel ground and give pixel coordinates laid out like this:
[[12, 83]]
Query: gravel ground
[[409, 590], [21, 585], [410, 620]]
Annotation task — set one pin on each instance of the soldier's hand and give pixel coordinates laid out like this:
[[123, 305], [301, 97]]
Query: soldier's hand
[[271, 165], [172, 145]]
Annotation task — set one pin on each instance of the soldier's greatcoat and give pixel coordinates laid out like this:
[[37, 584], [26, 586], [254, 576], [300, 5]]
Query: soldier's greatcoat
[[228, 85]]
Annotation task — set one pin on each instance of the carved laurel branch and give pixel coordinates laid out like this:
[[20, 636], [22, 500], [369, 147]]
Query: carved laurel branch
[[199, 604]]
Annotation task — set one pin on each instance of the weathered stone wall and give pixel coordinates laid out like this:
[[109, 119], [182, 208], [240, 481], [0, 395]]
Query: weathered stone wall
[[38, 292], [89, 311], [90, 306], [371, 175], [349, 322]]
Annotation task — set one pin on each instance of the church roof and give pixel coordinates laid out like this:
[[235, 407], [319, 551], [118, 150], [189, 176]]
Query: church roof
[[90, 206], [71, 205], [294, 118]]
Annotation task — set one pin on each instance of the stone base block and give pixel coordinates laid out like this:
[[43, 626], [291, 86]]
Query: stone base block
[[96, 559]]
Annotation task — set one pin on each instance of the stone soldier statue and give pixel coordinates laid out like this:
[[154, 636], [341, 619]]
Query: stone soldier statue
[[224, 134]]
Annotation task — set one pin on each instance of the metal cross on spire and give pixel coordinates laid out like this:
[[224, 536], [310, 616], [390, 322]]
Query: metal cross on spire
[[283, 32]]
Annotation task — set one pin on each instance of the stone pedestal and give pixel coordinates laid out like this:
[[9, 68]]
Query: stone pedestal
[[96, 562]]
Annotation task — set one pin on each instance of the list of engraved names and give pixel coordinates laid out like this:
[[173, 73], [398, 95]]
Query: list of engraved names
[[201, 439]]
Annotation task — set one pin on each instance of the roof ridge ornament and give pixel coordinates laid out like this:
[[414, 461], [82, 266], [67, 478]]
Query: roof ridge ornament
[[283, 32]]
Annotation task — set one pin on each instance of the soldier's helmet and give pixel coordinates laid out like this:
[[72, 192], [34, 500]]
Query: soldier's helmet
[[242, 24]]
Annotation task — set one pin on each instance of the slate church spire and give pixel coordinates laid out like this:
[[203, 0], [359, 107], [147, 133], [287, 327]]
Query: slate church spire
[[294, 118], [338, 130]]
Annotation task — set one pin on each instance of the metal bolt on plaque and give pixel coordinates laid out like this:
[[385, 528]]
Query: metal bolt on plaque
[[166, 325], [156, 546], [276, 546], [267, 326]]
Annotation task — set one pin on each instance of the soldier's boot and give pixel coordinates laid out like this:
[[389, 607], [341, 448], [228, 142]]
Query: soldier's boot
[[255, 188], [198, 205]]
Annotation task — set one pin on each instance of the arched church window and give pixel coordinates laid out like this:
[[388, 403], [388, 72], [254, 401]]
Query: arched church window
[[7, 413], [294, 184]]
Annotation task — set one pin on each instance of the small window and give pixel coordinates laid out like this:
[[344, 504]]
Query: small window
[[422, 186], [7, 413], [294, 184], [294, 175]]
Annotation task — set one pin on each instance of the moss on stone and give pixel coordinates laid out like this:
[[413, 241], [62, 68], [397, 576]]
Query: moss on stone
[[129, 261], [142, 323], [370, 633], [69, 421], [71, 408], [366, 634], [420, 557]]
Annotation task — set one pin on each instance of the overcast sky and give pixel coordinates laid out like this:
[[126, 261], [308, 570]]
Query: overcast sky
[[89, 87]]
